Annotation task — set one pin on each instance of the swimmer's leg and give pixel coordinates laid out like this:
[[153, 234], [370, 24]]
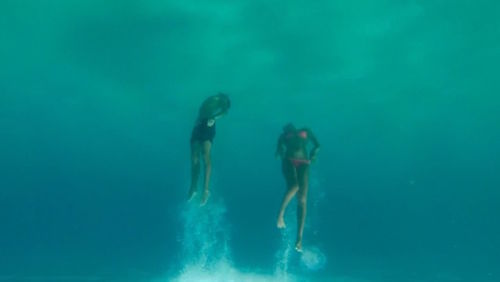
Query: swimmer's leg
[[195, 168], [303, 173], [290, 174], [206, 150]]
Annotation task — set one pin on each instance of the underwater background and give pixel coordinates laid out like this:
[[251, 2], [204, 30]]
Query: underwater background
[[98, 100]]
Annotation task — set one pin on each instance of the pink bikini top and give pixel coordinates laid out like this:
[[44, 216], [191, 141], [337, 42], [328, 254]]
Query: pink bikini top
[[302, 134]]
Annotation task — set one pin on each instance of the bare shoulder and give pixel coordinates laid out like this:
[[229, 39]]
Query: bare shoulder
[[310, 135]]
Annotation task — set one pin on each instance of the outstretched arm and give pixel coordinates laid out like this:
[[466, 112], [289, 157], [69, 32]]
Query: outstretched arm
[[314, 151]]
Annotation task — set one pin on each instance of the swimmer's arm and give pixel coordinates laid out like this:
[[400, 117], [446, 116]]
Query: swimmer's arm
[[314, 151], [280, 149], [221, 114]]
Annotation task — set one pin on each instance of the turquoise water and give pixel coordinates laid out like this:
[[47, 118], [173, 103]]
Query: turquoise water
[[97, 103]]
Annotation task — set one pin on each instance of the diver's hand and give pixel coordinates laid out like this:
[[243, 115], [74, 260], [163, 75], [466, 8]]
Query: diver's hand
[[313, 159]]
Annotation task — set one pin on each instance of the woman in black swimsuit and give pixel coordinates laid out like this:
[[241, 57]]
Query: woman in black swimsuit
[[202, 137], [292, 149]]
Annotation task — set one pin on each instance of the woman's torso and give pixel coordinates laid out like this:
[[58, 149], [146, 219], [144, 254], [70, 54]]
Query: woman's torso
[[296, 144]]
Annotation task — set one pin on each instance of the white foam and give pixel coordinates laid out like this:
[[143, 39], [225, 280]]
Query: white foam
[[313, 258], [225, 272], [205, 235], [206, 255]]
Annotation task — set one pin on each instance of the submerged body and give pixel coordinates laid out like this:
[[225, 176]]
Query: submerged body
[[201, 141], [292, 149]]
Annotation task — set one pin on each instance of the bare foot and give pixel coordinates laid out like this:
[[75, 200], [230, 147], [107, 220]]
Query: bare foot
[[192, 193], [298, 246], [204, 199], [281, 222]]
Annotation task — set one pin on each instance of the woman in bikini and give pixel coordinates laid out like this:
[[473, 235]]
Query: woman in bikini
[[202, 138], [292, 149]]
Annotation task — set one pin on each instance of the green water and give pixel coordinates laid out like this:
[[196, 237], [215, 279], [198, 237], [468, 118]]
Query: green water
[[98, 99]]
